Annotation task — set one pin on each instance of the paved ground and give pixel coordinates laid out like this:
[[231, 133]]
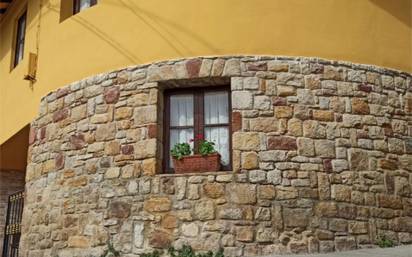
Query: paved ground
[[400, 251]]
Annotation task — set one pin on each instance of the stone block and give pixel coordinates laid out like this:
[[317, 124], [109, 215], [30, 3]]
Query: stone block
[[230, 212], [341, 193], [296, 217], [251, 83], [358, 227], [396, 145], [119, 209], [123, 113], [358, 160], [274, 177], [325, 148], [313, 129], [78, 242], [257, 176], [262, 102], [160, 239], [295, 127], [105, 132], [338, 225], [232, 68], [112, 172], [249, 160], [345, 243], [266, 192], [264, 125], [242, 100], [241, 193], [214, 190], [217, 67], [340, 165], [322, 115], [193, 67], [204, 210], [282, 143], [264, 235], [138, 237], [190, 229], [305, 97], [244, 234], [111, 95], [145, 115], [286, 90], [306, 147], [246, 141], [169, 221], [360, 106], [285, 193], [78, 112], [283, 112], [145, 149], [140, 99], [158, 204]]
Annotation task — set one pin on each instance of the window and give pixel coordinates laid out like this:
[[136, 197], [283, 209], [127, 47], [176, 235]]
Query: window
[[20, 36], [79, 5], [204, 111]]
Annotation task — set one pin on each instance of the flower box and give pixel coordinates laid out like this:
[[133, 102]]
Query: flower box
[[197, 163]]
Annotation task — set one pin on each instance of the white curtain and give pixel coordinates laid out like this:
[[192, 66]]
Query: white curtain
[[216, 112], [181, 114], [20, 41], [181, 110], [85, 4]]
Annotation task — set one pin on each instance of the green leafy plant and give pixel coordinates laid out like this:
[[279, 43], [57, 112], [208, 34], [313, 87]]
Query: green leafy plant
[[206, 147], [180, 150], [384, 242], [187, 251], [110, 252], [155, 253]]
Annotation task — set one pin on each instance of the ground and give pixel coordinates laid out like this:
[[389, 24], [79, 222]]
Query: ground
[[400, 251]]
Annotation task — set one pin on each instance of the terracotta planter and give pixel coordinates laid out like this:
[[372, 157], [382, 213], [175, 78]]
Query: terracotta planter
[[197, 163]]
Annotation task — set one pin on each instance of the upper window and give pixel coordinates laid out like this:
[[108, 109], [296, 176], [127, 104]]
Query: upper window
[[79, 5], [198, 112], [20, 36]]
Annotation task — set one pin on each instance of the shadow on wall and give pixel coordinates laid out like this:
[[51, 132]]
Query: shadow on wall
[[162, 24], [100, 34], [13, 152], [400, 9], [156, 23]]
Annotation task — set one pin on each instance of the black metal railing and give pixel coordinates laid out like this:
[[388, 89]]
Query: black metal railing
[[13, 225]]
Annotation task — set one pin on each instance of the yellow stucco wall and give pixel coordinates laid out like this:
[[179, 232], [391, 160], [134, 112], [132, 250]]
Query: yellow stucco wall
[[117, 33]]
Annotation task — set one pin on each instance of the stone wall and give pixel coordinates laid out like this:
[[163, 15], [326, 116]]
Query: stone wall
[[322, 161], [10, 182]]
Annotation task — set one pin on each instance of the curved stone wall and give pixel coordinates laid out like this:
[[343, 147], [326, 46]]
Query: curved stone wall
[[322, 161]]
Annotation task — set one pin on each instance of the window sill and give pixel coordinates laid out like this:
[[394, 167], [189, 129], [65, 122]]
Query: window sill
[[214, 173]]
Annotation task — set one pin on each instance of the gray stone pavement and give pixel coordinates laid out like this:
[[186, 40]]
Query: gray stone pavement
[[400, 251]]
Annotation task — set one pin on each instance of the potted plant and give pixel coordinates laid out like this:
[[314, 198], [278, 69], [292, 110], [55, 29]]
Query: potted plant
[[208, 159]]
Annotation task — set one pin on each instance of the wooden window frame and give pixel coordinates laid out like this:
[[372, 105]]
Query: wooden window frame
[[76, 5], [198, 120], [20, 40]]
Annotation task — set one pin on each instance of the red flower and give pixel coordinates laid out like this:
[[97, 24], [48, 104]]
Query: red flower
[[199, 137], [191, 140]]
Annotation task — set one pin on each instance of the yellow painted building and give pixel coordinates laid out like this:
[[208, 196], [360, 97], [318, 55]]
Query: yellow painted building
[[47, 44], [118, 33]]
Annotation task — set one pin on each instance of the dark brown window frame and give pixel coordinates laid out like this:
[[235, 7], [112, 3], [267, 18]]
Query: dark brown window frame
[[198, 116], [76, 5], [20, 38]]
